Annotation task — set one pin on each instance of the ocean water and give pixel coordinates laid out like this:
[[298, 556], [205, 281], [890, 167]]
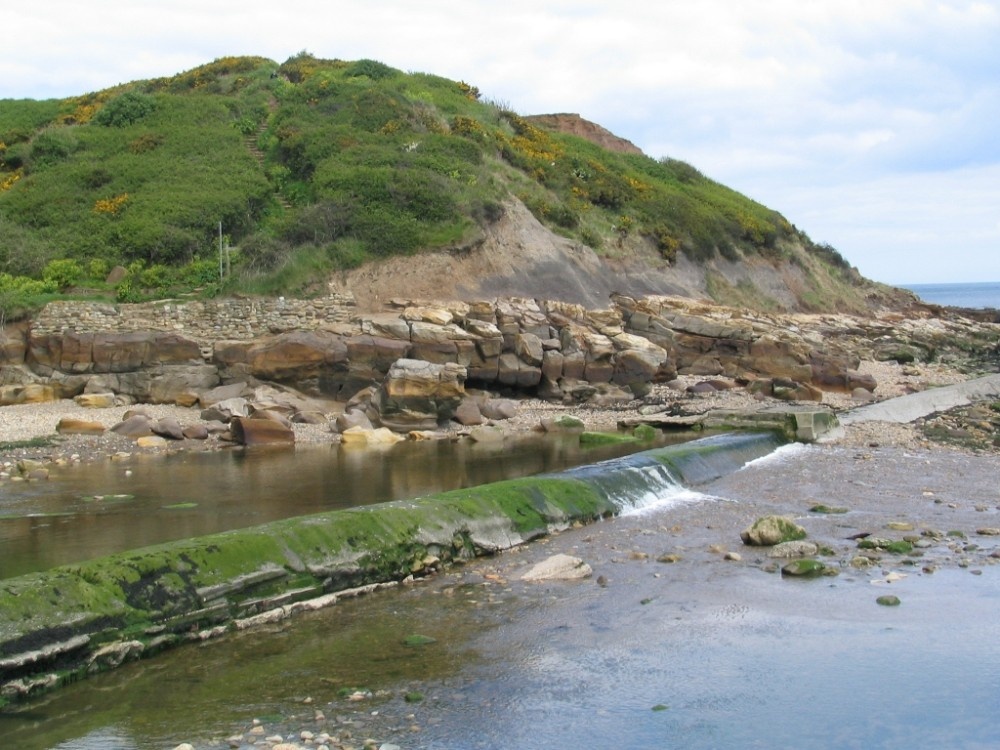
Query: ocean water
[[974, 295]]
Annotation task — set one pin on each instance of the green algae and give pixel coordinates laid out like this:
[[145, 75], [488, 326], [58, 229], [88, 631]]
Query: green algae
[[606, 438], [166, 594], [805, 568], [646, 433], [159, 594], [828, 509]]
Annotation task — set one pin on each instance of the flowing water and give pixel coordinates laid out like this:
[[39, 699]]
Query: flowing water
[[90, 510], [696, 654]]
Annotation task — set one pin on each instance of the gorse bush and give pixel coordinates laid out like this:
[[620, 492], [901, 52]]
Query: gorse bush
[[314, 165], [127, 109]]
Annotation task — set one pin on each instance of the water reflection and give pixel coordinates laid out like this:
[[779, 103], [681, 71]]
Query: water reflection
[[91, 510]]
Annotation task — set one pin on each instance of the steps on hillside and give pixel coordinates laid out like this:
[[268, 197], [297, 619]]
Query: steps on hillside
[[251, 142]]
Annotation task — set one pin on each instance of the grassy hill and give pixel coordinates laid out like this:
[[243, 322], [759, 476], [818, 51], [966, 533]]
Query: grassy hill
[[316, 166]]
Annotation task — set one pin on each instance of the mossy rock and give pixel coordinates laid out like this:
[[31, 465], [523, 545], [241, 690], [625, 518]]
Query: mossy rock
[[827, 509], [771, 530], [893, 546], [644, 432], [888, 600], [565, 423], [806, 568]]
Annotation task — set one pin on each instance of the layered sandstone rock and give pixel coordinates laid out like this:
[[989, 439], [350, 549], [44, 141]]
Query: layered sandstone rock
[[417, 395], [552, 349]]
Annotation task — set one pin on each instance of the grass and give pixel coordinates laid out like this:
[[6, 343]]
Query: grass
[[314, 165], [36, 442]]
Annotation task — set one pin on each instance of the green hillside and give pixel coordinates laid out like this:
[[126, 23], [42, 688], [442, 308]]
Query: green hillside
[[315, 165]]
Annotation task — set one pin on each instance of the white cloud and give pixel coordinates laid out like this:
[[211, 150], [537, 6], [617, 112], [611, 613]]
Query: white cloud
[[864, 121]]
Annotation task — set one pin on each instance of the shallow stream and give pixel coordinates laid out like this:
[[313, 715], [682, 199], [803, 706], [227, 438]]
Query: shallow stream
[[698, 653], [90, 510]]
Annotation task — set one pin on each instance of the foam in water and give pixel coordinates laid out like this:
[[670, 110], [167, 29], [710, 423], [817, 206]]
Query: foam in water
[[778, 455], [654, 503], [641, 483]]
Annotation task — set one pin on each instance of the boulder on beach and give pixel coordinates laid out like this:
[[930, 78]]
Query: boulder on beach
[[418, 395], [361, 436], [29, 393], [168, 428], [771, 530], [70, 426], [225, 410], [95, 400], [252, 432], [134, 425]]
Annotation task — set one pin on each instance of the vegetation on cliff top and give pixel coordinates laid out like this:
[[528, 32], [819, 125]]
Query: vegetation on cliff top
[[315, 165]]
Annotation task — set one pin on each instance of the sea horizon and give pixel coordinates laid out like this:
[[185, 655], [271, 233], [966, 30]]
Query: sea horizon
[[970, 295]]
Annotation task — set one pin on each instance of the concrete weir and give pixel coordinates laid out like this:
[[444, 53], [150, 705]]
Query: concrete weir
[[72, 621]]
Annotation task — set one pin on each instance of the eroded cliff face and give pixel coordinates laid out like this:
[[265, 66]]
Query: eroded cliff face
[[573, 124], [517, 256]]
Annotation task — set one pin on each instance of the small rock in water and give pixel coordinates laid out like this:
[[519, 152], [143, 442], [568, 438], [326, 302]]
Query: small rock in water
[[558, 567], [888, 601], [806, 568], [793, 549], [771, 530]]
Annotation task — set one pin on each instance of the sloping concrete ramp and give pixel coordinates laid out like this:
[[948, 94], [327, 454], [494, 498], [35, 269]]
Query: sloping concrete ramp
[[908, 408]]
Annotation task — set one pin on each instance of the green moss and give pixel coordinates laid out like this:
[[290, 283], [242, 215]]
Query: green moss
[[644, 432], [805, 568], [37, 442], [893, 546], [827, 509], [605, 438], [901, 547], [418, 640]]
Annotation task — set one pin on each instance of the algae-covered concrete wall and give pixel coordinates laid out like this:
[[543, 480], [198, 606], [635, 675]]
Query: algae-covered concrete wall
[[71, 621], [75, 620]]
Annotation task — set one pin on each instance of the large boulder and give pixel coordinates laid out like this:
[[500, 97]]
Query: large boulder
[[76, 352], [70, 426], [13, 344], [95, 400], [251, 432], [134, 426], [418, 395], [223, 411], [369, 359], [304, 359], [362, 437], [30, 393]]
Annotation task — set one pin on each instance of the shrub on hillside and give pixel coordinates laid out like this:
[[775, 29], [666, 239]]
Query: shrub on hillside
[[63, 273], [373, 69], [125, 110], [52, 146]]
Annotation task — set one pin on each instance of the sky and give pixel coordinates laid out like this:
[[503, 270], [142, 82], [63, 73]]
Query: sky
[[872, 125]]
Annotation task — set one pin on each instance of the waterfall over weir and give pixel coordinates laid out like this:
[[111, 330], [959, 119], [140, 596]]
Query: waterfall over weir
[[641, 480], [68, 622]]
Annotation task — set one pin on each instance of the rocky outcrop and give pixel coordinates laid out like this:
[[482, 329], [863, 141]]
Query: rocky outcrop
[[418, 395], [547, 348]]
